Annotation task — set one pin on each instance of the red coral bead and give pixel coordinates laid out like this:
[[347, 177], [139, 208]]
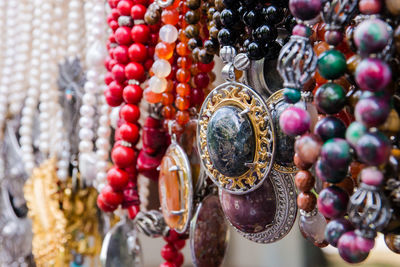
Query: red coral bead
[[180, 244], [103, 206], [140, 2], [134, 71], [118, 72], [130, 113], [113, 25], [111, 100], [140, 33], [124, 7], [115, 13], [120, 54], [113, 3], [138, 11], [132, 94], [205, 67], [117, 178], [137, 52], [169, 252], [179, 259], [123, 156], [115, 89], [112, 63], [129, 132], [148, 64], [168, 264], [108, 78], [172, 237], [111, 197], [123, 35]]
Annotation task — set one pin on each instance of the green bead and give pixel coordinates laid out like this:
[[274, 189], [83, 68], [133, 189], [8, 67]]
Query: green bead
[[331, 64], [291, 95], [354, 132], [330, 98]]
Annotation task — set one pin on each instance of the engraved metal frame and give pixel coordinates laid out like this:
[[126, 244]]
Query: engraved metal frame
[[245, 98], [271, 102], [186, 183], [194, 224], [286, 210]]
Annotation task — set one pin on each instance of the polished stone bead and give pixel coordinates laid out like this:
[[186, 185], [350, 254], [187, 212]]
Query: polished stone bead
[[336, 153], [331, 64], [326, 173], [372, 176], [335, 229], [354, 132], [330, 127], [393, 6], [373, 148], [313, 229], [371, 36], [330, 98], [372, 111], [354, 248], [305, 9], [332, 202], [252, 212], [230, 141], [308, 148], [295, 121], [373, 74], [291, 95], [392, 241]]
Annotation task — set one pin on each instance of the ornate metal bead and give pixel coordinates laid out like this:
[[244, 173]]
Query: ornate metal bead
[[241, 61], [151, 223], [227, 54], [297, 62], [337, 13]]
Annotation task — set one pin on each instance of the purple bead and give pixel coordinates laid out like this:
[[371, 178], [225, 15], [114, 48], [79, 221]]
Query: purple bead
[[333, 37], [305, 9], [336, 153], [372, 111], [252, 212], [330, 127], [335, 229], [373, 148], [371, 36], [332, 202], [295, 121], [353, 248], [302, 30], [372, 176], [328, 174], [373, 74]]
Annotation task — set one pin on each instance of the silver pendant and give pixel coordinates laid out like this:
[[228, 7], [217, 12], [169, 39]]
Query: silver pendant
[[121, 246]]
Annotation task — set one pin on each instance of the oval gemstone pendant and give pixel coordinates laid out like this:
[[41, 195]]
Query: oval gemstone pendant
[[265, 215], [236, 138], [208, 233], [175, 188], [284, 143]]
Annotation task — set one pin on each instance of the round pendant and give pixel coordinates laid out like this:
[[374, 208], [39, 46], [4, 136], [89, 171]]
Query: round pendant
[[236, 138], [208, 233], [121, 247], [284, 143], [265, 215], [175, 188]]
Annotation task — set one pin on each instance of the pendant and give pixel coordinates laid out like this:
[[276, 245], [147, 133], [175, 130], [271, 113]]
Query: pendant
[[236, 138], [209, 233], [121, 246], [284, 143], [265, 215], [175, 188]]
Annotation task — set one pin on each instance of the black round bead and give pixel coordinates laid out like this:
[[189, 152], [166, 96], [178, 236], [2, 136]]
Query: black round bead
[[210, 46], [217, 19], [225, 37], [210, 13], [272, 50], [193, 43], [273, 14], [290, 22], [230, 3], [192, 31], [250, 18], [255, 51], [227, 17], [214, 32], [192, 16], [205, 57], [193, 4], [265, 34]]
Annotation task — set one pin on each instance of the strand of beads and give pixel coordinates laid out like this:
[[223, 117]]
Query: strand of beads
[[372, 146], [170, 252], [9, 10]]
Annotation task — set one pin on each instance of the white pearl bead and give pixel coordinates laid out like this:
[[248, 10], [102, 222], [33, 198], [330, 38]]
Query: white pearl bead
[[63, 164], [25, 130], [168, 33], [62, 175], [86, 134], [86, 122], [104, 131], [102, 154], [103, 120], [102, 143], [89, 99], [87, 111], [85, 146], [101, 166], [157, 85]]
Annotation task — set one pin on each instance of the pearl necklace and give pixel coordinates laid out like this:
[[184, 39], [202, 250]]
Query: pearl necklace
[[95, 56]]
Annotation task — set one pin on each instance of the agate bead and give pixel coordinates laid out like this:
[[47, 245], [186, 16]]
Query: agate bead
[[392, 241], [331, 64], [330, 98], [354, 248], [330, 127], [332, 202], [372, 111], [354, 132], [373, 74], [326, 173], [336, 153], [305, 9], [291, 95], [313, 229], [304, 181], [295, 121], [371, 36], [308, 148], [335, 229], [373, 149]]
